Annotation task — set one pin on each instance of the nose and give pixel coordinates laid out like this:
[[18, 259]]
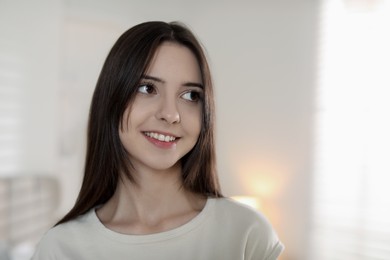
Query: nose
[[168, 111]]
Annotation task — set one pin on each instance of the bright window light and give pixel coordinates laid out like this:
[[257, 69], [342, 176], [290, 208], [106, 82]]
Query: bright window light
[[351, 201]]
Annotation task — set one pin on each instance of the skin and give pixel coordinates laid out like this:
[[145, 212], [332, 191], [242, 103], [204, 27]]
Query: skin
[[167, 103]]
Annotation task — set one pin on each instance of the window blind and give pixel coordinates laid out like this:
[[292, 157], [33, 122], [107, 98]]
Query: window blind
[[11, 105], [351, 203]]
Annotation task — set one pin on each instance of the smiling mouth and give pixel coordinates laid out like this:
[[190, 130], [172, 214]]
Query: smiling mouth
[[161, 137]]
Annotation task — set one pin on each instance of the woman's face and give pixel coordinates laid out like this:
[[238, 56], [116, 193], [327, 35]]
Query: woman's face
[[165, 118]]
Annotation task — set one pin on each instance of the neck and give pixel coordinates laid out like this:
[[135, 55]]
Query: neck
[[151, 203], [152, 191]]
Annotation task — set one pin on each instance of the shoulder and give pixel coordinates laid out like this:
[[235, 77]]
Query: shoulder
[[72, 227], [62, 238], [251, 226], [239, 212]]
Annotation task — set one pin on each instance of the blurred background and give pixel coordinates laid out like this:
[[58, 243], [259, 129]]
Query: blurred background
[[303, 112]]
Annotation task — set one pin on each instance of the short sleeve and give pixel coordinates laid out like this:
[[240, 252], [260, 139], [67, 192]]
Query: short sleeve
[[45, 249], [263, 243]]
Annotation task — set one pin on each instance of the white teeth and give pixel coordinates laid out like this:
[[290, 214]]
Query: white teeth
[[160, 137]]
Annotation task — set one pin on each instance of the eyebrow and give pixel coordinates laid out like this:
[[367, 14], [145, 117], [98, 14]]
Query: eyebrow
[[186, 84]]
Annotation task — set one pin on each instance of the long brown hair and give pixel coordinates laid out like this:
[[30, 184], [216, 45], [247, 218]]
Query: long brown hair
[[106, 159]]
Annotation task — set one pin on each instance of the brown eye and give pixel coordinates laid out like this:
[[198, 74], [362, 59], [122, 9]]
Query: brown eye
[[147, 89], [193, 96]]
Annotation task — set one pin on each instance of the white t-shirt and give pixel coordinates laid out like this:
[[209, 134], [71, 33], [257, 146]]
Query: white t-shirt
[[223, 230]]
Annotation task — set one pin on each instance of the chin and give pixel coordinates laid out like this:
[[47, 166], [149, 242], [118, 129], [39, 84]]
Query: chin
[[168, 167]]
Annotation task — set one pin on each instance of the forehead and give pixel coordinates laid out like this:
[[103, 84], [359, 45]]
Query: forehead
[[172, 60]]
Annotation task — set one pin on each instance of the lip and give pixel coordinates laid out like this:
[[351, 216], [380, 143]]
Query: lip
[[161, 144]]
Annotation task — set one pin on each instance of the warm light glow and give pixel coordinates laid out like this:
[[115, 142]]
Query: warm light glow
[[264, 179], [266, 185], [250, 201]]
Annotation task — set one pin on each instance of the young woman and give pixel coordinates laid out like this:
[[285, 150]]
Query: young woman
[[150, 189]]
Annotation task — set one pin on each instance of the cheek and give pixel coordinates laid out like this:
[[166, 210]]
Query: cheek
[[192, 119], [139, 111]]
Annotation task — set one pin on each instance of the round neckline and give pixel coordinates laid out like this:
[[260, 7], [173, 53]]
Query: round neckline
[[155, 237]]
